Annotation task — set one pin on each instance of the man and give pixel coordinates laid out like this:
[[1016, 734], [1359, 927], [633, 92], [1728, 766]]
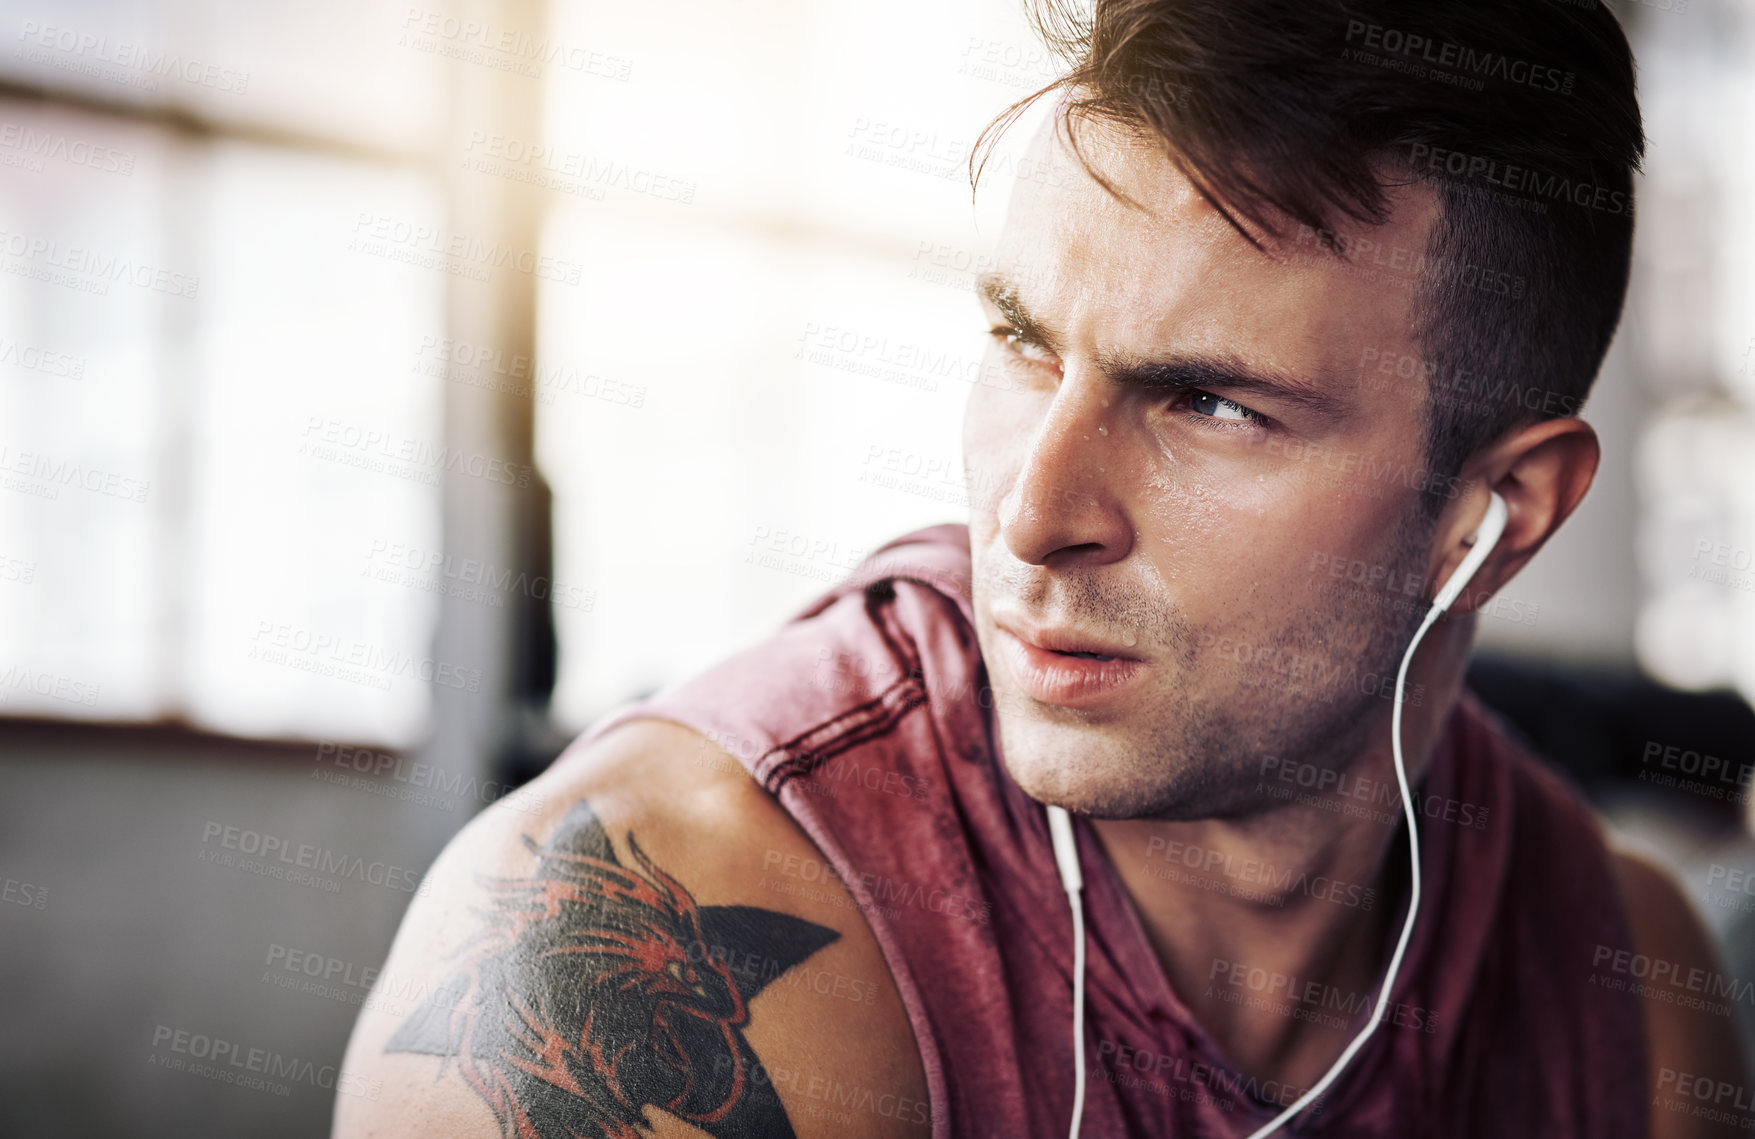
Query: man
[[811, 891]]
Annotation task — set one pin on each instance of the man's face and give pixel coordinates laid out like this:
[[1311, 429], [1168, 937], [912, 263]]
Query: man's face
[[1180, 453]]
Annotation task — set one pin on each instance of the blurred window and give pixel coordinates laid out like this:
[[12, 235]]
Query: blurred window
[[761, 377], [219, 451], [1691, 324]]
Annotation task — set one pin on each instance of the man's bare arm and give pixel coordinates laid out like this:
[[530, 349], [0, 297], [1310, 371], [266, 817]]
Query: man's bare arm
[[627, 963], [1690, 1050]]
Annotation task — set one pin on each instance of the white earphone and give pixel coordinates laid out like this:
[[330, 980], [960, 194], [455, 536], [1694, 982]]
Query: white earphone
[[1066, 855]]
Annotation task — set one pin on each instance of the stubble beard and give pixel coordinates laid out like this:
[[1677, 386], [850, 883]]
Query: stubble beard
[[1315, 691]]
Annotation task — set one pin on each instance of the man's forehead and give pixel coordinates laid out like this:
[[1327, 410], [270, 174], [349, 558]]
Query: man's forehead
[[1059, 192], [1071, 248], [1139, 164]]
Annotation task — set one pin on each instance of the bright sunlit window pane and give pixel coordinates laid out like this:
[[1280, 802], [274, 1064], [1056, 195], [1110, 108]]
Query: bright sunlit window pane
[[213, 426], [805, 306], [318, 450], [675, 422], [90, 287]]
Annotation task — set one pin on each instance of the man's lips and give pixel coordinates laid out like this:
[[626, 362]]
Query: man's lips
[[1065, 639], [1068, 668]]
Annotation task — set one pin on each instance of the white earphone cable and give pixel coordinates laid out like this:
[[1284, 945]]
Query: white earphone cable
[[1486, 536], [1066, 858], [1078, 1110], [1395, 962], [1066, 854]]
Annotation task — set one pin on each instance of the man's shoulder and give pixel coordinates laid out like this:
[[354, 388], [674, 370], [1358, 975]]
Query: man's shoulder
[[630, 951], [891, 636], [1694, 1052], [1658, 934], [1559, 846]]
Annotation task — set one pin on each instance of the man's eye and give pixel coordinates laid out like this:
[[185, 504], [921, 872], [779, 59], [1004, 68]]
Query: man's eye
[[1020, 345], [1209, 406]]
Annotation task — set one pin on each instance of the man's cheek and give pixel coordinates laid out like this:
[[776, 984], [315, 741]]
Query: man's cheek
[[990, 471]]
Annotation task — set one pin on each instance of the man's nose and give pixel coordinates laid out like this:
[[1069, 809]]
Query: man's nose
[[1062, 506]]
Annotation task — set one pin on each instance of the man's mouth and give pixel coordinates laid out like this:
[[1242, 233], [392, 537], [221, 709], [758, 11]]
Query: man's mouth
[[1068, 667], [1066, 641]]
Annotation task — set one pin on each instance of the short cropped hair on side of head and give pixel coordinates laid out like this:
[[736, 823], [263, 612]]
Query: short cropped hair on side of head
[[1292, 115]]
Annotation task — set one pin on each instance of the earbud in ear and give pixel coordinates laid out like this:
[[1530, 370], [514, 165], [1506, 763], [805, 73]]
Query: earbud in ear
[[1486, 536]]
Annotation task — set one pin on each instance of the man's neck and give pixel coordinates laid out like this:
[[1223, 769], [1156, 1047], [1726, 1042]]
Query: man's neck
[[1273, 928], [1251, 930]]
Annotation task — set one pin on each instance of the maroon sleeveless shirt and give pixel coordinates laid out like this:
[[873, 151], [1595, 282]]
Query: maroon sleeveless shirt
[[867, 716]]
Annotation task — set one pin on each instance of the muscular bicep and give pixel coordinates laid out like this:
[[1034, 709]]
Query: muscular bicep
[[632, 970]]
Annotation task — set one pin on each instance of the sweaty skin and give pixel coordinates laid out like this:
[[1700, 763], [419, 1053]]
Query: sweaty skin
[[1183, 527], [1190, 522]]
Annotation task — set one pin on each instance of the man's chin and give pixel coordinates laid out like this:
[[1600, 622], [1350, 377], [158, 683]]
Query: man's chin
[[1074, 786], [1104, 778], [1060, 765]]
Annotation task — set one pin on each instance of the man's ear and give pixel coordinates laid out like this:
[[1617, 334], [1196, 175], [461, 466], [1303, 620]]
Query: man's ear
[[1542, 471]]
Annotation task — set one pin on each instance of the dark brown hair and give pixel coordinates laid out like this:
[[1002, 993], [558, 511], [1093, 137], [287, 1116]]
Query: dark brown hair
[[1291, 115]]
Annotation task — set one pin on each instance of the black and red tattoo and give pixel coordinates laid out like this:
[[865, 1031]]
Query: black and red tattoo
[[595, 990]]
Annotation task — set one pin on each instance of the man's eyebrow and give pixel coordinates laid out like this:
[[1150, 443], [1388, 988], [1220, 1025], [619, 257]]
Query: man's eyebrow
[[1221, 376], [1218, 374], [1002, 293]]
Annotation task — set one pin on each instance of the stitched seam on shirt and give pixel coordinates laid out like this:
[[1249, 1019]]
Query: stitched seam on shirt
[[821, 732], [872, 720]]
